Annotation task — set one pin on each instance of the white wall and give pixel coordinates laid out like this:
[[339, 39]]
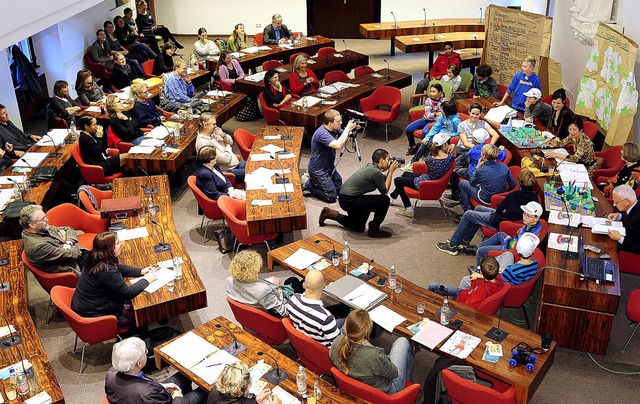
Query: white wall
[[220, 16], [412, 9]]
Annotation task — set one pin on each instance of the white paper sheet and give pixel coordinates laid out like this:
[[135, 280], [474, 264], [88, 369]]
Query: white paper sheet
[[165, 275], [285, 396], [33, 159], [189, 349], [131, 234], [280, 188], [271, 148], [159, 132], [141, 150], [362, 296], [261, 202], [286, 156], [93, 108], [5, 196], [272, 137], [302, 258], [386, 318], [254, 182], [58, 136], [209, 369], [152, 142], [260, 157], [310, 100], [218, 93], [256, 77], [497, 114], [4, 180]]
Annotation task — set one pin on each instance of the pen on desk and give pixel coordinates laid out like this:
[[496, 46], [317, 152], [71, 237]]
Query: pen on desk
[[214, 364], [354, 298]]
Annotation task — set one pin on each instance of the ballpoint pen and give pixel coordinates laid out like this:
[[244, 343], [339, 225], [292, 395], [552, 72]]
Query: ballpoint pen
[[355, 297], [213, 364]]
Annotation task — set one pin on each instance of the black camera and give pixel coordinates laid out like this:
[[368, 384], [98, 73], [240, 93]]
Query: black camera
[[358, 118], [400, 160]]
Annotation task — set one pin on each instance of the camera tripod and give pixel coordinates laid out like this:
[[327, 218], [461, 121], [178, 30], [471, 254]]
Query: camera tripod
[[354, 146]]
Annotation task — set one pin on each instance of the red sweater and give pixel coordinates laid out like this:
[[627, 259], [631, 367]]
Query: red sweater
[[296, 87], [443, 61], [480, 289]]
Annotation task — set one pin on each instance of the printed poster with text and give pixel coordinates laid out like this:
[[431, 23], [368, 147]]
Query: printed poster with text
[[608, 90]]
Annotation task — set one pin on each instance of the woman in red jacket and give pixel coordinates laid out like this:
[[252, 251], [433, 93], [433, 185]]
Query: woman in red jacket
[[302, 81]]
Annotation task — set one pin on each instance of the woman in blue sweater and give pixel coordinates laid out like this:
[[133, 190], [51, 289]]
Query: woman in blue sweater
[[144, 109]]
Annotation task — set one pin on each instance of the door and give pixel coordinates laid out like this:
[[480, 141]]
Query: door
[[340, 18]]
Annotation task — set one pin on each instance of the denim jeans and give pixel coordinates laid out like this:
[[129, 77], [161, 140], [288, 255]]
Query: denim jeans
[[412, 127], [239, 171], [467, 191], [135, 65], [470, 223], [326, 187], [494, 242], [401, 355], [423, 150], [143, 50]]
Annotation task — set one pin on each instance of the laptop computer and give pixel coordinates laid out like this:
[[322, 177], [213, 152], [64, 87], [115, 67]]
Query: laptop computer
[[596, 268]]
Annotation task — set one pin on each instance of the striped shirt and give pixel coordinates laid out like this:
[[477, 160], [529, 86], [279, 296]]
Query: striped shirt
[[518, 273], [310, 317]]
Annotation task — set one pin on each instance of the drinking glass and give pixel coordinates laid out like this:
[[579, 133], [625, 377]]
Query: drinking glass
[[398, 287], [420, 307]]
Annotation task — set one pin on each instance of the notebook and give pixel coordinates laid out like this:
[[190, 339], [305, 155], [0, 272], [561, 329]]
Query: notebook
[[355, 293]]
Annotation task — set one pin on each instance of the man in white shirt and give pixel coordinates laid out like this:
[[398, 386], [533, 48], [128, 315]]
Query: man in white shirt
[[209, 134]]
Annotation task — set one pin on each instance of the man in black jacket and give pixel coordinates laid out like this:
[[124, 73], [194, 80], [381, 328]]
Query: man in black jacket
[[125, 382], [13, 140], [276, 32], [624, 198]]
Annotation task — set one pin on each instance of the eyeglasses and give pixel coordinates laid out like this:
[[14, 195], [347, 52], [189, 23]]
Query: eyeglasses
[[619, 202]]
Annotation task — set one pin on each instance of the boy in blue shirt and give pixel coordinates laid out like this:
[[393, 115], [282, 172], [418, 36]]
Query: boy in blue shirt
[[522, 82]]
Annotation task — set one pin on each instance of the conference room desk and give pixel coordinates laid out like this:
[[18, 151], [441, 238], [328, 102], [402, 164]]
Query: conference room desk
[[578, 313], [280, 216], [383, 30], [14, 306], [350, 98], [427, 43], [220, 338], [475, 322], [189, 293], [348, 61], [308, 45]]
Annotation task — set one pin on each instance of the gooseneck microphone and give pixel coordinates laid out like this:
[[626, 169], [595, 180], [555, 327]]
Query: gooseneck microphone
[[345, 44], [424, 10], [16, 183], [568, 254], [388, 69], [148, 189], [288, 135], [286, 197], [329, 255], [55, 154], [281, 176], [433, 24], [337, 95], [161, 247], [235, 347], [12, 340], [495, 333], [395, 23], [274, 376]]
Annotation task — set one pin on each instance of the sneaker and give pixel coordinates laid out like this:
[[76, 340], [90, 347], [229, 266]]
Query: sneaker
[[470, 249], [455, 199], [303, 180], [404, 212], [408, 168], [411, 150], [446, 247], [472, 269]]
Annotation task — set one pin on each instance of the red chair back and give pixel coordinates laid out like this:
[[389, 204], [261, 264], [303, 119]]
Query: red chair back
[[235, 213], [258, 39], [518, 294], [67, 214], [326, 51], [269, 329], [293, 57], [430, 190], [462, 391], [147, 67], [99, 195], [271, 115], [313, 355], [511, 228], [491, 304], [334, 76], [383, 96], [590, 129], [48, 280], [99, 70], [502, 89], [112, 139], [371, 394], [209, 206], [91, 174], [611, 162], [271, 64], [245, 140], [362, 70]]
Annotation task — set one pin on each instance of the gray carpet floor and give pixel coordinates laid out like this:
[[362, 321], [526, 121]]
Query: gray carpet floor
[[574, 378]]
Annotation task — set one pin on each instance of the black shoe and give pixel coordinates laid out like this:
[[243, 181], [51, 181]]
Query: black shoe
[[411, 150], [178, 45], [470, 249], [377, 233]]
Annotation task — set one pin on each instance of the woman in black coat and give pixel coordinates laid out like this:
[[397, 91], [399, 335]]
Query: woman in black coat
[[163, 63], [93, 146], [122, 124], [101, 289], [62, 105]]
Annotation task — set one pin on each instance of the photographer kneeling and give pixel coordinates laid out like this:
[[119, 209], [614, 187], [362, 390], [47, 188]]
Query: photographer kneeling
[[324, 180], [358, 205]]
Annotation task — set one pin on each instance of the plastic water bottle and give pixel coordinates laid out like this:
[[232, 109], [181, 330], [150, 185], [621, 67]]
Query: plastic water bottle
[[189, 112], [17, 193], [176, 135], [151, 209], [26, 183], [445, 312], [13, 378], [74, 131], [163, 150], [177, 267], [316, 390], [346, 251], [301, 381], [23, 383], [393, 277]]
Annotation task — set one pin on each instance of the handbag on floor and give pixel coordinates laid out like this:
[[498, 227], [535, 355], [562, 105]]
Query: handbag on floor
[[225, 239], [250, 112]]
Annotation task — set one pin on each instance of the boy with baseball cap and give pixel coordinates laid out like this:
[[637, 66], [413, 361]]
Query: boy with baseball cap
[[535, 108]]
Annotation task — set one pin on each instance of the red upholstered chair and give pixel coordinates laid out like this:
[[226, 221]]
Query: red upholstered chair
[[334, 76], [245, 140], [70, 215], [114, 142], [326, 51], [98, 194], [258, 39], [271, 64], [105, 401], [48, 281], [293, 57], [507, 158], [384, 96], [271, 115], [491, 304], [313, 355], [430, 190], [89, 330], [462, 391], [259, 323], [611, 162], [362, 70], [502, 89], [99, 70], [371, 394], [92, 174], [235, 213], [590, 129], [518, 294], [208, 206], [511, 228], [515, 172], [147, 67], [633, 313], [628, 262]]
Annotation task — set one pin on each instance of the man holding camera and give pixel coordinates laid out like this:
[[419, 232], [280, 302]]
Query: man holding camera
[[357, 204], [324, 180]]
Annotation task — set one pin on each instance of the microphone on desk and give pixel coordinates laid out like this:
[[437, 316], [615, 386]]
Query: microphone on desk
[[568, 254], [495, 333], [281, 177], [345, 44], [4, 286], [274, 376], [388, 75], [395, 23], [336, 96], [288, 135], [235, 347], [568, 227], [475, 37], [433, 24], [55, 154], [24, 370], [148, 189], [161, 247], [424, 10], [12, 340], [331, 253], [286, 197], [481, 21]]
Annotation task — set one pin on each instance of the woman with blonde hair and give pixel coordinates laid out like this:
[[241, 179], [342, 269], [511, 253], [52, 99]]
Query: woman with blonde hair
[[354, 355], [144, 109], [121, 123], [302, 81], [233, 385], [238, 39]]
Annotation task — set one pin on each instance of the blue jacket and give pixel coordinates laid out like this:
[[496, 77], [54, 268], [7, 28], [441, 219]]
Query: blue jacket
[[492, 178], [476, 152], [210, 183], [447, 125], [520, 84]]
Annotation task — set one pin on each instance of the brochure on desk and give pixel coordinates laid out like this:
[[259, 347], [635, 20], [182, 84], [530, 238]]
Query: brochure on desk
[[561, 242], [355, 293]]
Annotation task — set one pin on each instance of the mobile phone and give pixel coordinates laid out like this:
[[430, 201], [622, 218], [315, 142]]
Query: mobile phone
[[381, 282], [456, 324]]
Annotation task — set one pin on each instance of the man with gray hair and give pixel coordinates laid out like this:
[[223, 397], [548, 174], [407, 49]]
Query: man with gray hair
[[51, 249], [210, 134], [625, 200], [125, 382], [276, 32]]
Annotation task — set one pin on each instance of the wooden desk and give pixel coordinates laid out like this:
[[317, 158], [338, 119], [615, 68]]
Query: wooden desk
[[475, 323], [281, 216], [383, 30], [313, 116], [349, 61], [189, 293], [426, 43], [227, 108], [309, 45], [220, 338], [14, 306]]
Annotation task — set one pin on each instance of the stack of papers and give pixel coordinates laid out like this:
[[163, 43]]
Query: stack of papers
[[255, 49], [431, 334], [258, 77], [386, 318], [271, 149], [575, 174], [498, 114], [218, 93], [460, 344], [93, 108], [309, 99], [562, 151], [335, 87], [355, 293], [159, 132], [601, 225], [492, 352], [58, 136], [31, 159], [302, 258], [165, 275], [5, 196], [561, 242], [152, 142], [10, 179], [560, 217], [141, 150]]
